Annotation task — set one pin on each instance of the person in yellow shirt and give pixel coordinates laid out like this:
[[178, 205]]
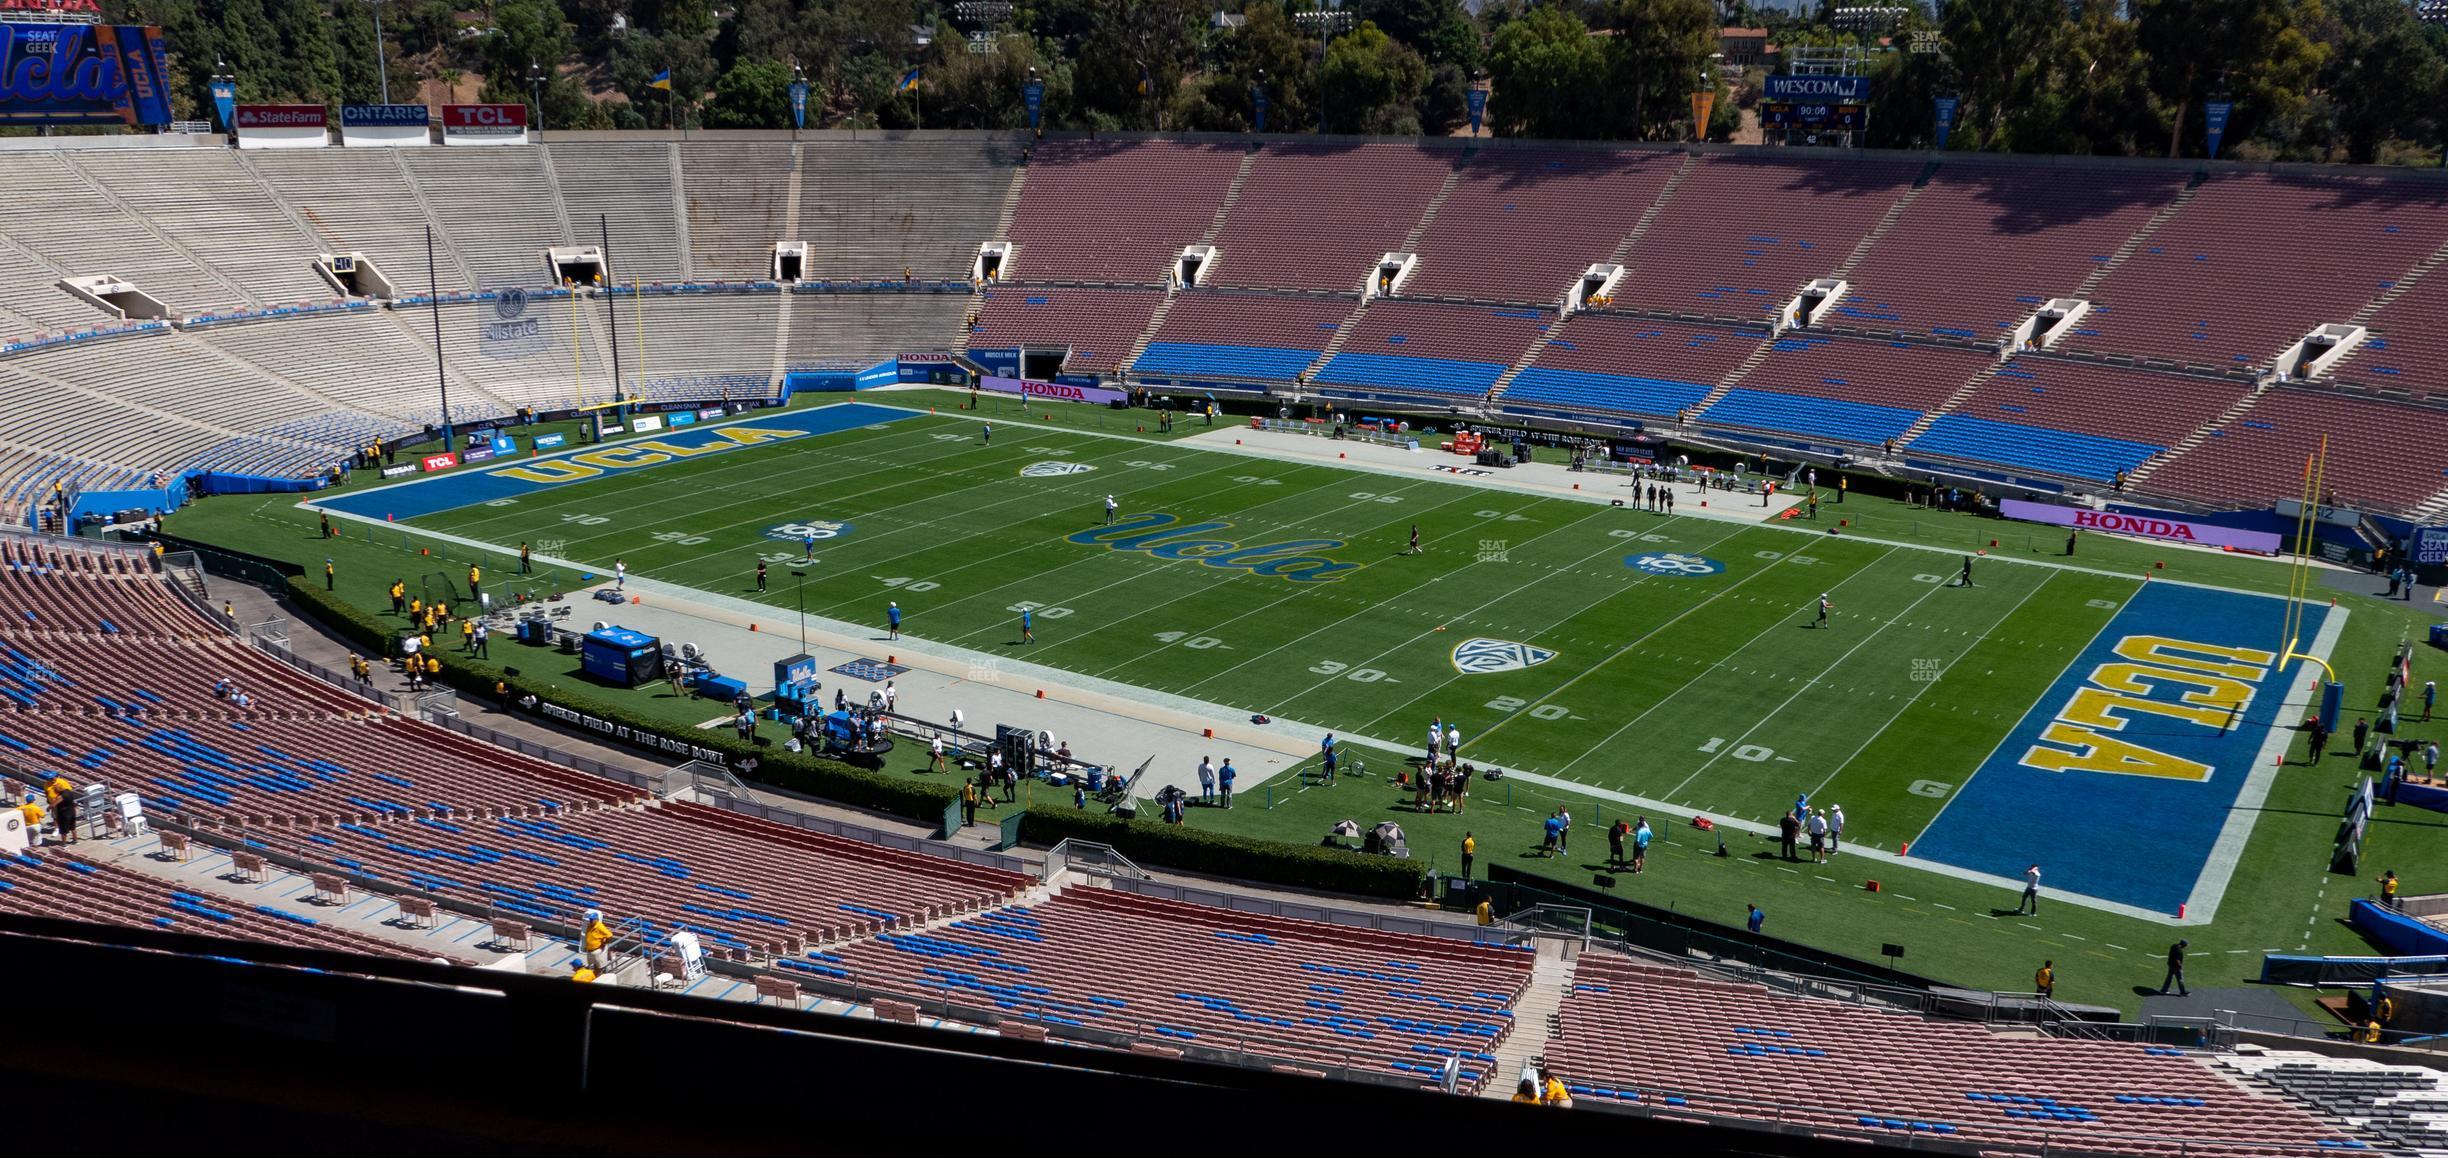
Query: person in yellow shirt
[[1485, 912], [581, 974], [399, 596], [416, 607], [2369, 1034], [32, 809], [475, 578], [433, 667], [1526, 1093], [2044, 982], [1556, 1094], [467, 635], [62, 795], [1470, 850], [597, 936]]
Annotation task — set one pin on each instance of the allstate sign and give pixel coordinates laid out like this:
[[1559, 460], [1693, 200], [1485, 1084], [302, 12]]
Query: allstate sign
[[1838, 89]]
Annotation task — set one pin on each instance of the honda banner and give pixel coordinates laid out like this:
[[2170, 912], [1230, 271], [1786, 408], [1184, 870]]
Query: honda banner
[[484, 124], [2147, 526], [1053, 391]]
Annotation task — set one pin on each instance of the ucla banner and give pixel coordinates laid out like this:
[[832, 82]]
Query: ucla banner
[[2216, 114], [83, 74], [1476, 100], [1033, 93], [1946, 118], [225, 102], [798, 98], [1258, 102]]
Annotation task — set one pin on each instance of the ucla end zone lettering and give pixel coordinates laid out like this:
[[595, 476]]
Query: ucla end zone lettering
[[1167, 537], [2121, 780], [470, 487]]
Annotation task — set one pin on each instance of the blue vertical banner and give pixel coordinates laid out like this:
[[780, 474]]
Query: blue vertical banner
[[798, 93], [225, 102], [1946, 119], [1477, 101], [1033, 94], [2216, 113], [1258, 103]]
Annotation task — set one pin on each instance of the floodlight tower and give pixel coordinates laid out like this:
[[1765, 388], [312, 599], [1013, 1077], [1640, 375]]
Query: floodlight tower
[[1325, 22]]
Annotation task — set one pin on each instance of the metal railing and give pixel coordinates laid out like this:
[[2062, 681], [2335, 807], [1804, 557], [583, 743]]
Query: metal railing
[[1090, 857], [1571, 923]]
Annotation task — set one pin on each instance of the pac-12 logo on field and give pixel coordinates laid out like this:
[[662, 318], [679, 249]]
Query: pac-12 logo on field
[[1673, 565], [795, 532], [1489, 656], [1054, 469]]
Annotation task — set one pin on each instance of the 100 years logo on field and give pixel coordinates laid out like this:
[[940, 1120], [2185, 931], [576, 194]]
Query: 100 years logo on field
[[1673, 565], [1054, 469], [1490, 656], [812, 529]]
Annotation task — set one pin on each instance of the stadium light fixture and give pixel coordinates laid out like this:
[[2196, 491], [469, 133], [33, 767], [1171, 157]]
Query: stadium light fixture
[[1326, 22], [382, 53], [799, 588], [535, 84]]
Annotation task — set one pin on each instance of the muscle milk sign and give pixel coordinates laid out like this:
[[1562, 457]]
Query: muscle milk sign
[[484, 124], [2147, 526]]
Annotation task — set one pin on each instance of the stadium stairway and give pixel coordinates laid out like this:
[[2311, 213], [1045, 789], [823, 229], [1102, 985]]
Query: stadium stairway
[[1665, 193], [790, 228], [1921, 425], [1533, 1019], [2099, 273], [1725, 385], [1419, 228], [2398, 288], [1334, 345], [1232, 197], [2234, 411], [1528, 357], [1895, 214]]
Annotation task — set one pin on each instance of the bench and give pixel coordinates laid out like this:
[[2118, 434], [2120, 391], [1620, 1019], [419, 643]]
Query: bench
[[247, 866], [901, 1011], [781, 989], [508, 935], [415, 913], [330, 889]]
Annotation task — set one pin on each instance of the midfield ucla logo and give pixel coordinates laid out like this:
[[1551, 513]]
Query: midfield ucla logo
[[1167, 537], [1054, 469], [811, 529], [1674, 565], [1490, 656]]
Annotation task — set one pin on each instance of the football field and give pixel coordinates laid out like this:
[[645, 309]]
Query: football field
[[1674, 660]]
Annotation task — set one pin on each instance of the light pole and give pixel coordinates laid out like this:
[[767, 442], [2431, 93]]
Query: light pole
[[1327, 22], [382, 54], [799, 589], [535, 84]]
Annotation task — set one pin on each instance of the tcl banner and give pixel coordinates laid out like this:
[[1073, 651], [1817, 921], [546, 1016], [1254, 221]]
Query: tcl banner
[[2147, 526], [1055, 391], [484, 124], [441, 461], [283, 127]]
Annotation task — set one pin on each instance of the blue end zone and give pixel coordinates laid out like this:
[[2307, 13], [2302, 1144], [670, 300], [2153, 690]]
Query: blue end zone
[[501, 480], [2142, 835]]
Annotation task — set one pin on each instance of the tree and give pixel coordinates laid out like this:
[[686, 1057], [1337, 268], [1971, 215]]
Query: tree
[[1372, 83], [2254, 50], [1134, 45], [753, 94], [1548, 75], [1996, 51], [1655, 57], [1266, 48], [2381, 74]]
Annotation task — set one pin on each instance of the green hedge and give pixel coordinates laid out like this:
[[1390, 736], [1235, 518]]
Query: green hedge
[[1152, 842], [831, 779]]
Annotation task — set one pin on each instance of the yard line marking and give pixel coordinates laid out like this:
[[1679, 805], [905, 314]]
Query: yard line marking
[[1780, 623], [1838, 662], [1898, 714]]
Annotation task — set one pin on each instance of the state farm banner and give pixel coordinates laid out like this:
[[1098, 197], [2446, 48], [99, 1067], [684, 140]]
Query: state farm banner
[[283, 127], [1053, 391], [2147, 526], [484, 124]]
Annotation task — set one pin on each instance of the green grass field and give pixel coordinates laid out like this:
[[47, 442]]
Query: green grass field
[[1712, 694]]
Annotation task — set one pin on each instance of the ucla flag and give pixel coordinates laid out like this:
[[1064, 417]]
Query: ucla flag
[[1146, 83], [662, 80], [909, 80]]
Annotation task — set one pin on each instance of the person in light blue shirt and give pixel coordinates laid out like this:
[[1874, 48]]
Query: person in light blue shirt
[[1640, 845], [1224, 781]]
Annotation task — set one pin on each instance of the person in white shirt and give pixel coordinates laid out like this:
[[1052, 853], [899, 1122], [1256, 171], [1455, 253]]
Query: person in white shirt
[[1835, 829], [890, 694], [2030, 905], [935, 755], [620, 574], [1453, 741], [1818, 829], [1206, 779], [1436, 737], [1110, 507]]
